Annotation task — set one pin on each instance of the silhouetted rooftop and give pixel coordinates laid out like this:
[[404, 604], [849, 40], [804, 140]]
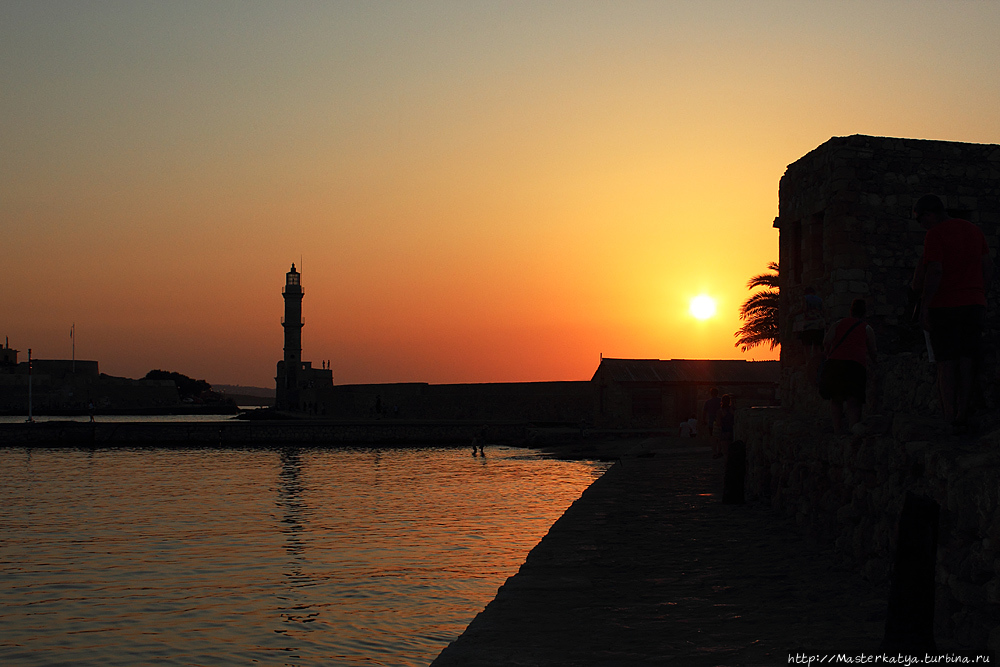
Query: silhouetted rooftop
[[689, 370]]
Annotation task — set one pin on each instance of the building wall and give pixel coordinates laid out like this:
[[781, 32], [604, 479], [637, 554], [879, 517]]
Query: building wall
[[61, 368], [846, 230], [75, 392], [665, 405], [311, 385]]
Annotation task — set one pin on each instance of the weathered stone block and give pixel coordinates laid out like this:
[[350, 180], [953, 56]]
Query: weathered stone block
[[876, 570], [848, 274], [849, 514], [966, 592]]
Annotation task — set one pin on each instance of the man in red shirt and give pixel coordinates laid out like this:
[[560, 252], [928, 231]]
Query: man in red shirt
[[952, 278], [849, 344]]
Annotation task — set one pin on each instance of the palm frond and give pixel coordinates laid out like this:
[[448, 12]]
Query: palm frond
[[759, 303], [765, 279], [760, 312]]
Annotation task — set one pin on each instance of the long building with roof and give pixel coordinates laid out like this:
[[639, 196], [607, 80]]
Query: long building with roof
[[631, 393]]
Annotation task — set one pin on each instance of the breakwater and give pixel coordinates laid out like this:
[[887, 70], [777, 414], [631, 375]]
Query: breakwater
[[258, 433]]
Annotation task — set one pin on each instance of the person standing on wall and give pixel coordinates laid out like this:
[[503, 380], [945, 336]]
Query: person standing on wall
[[808, 322], [727, 421], [849, 344], [952, 278], [710, 409]]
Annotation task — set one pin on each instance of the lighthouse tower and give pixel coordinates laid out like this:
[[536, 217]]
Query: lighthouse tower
[[287, 389]]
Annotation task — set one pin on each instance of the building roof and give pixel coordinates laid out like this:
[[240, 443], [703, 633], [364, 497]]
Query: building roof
[[719, 371], [929, 149], [863, 163]]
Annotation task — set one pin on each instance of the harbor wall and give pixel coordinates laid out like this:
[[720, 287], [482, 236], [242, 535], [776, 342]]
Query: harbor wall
[[239, 433], [565, 402]]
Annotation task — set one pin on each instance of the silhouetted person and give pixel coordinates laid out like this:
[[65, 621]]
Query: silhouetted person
[[710, 409], [849, 345], [727, 421], [952, 278], [478, 440], [810, 324], [90, 409], [735, 475]]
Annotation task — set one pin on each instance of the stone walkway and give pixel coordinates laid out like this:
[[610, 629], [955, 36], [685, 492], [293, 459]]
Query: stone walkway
[[650, 568]]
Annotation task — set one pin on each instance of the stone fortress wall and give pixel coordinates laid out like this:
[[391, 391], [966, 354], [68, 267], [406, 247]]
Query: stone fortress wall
[[845, 229], [848, 492]]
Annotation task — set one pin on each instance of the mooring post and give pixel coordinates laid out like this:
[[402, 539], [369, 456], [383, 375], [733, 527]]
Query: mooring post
[[734, 479], [909, 623]]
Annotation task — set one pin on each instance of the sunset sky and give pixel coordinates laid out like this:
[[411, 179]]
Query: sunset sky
[[496, 191]]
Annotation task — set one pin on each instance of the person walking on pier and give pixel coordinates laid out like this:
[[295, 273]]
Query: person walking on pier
[[849, 344], [710, 409], [727, 422]]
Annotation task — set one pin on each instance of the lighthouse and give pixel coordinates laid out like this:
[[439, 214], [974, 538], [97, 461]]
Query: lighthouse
[[287, 394], [298, 386]]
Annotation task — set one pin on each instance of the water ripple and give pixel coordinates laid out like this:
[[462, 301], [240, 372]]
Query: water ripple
[[288, 556]]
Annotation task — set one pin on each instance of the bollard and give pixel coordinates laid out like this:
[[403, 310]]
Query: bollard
[[736, 471], [909, 623]]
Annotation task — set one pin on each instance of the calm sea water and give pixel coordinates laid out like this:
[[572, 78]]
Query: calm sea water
[[276, 557]]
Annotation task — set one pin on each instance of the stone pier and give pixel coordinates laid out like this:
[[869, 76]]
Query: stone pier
[[649, 567]]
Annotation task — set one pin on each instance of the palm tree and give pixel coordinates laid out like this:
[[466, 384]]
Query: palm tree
[[760, 312]]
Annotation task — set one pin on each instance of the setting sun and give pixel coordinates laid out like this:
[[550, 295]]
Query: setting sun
[[702, 307]]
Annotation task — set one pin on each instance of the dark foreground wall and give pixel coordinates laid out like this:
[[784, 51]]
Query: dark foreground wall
[[848, 491]]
